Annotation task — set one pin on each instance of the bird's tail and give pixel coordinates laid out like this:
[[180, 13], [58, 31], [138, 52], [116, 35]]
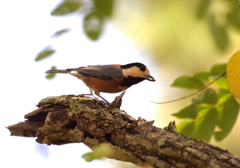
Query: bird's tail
[[58, 71]]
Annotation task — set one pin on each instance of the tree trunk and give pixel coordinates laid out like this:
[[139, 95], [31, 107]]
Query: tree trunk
[[69, 119]]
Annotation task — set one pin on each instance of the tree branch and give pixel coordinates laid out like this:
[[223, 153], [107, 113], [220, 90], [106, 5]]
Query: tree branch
[[69, 119]]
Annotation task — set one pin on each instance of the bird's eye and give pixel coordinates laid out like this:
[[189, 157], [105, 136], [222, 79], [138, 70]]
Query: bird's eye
[[142, 68]]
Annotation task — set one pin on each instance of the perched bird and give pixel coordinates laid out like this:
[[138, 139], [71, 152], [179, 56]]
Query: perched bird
[[109, 78]]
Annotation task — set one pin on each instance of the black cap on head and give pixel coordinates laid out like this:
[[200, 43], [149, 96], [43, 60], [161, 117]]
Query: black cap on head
[[136, 64]]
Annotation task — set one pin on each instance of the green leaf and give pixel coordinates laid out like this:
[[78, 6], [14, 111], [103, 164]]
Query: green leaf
[[222, 93], [188, 112], [67, 7], [204, 126], [209, 97], [217, 70], [228, 113], [60, 32], [44, 54], [90, 156], [187, 82], [186, 128], [202, 8], [51, 75], [104, 7], [93, 26], [196, 101], [221, 82], [219, 34], [103, 150], [202, 76], [203, 111], [234, 19]]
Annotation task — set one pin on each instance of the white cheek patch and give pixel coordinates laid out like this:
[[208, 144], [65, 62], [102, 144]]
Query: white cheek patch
[[133, 71]]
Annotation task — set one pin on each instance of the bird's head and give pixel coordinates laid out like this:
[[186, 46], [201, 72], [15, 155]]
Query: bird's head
[[136, 70]]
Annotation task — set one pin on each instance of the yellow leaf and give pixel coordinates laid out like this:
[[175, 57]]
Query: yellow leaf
[[233, 75]]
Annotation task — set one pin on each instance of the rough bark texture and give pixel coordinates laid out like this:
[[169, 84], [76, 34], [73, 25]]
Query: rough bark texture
[[68, 119]]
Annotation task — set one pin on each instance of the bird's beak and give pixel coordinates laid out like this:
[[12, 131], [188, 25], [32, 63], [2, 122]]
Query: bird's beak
[[149, 77]]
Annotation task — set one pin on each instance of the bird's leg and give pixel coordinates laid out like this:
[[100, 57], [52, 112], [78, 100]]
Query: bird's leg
[[95, 97], [98, 94], [91, 93]]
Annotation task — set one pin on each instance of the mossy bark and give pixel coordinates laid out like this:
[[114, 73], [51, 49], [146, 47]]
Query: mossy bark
[[71, 119]]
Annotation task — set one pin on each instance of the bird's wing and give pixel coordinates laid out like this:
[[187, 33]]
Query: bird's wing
[[104, 72]]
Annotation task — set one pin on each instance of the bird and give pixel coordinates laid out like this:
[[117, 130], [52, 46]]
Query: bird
[[111, 78]]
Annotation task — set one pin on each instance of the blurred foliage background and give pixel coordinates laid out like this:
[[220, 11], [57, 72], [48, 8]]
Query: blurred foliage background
[[182, 38]]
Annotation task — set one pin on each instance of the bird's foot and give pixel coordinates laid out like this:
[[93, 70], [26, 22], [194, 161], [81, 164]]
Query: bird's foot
[[103, 101]]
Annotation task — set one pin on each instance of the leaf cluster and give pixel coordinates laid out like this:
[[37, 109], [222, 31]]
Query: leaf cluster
[[220, 15], [95, 12], [213, 113]]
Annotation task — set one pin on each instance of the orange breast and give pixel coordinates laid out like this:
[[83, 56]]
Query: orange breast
[[100, 85]]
